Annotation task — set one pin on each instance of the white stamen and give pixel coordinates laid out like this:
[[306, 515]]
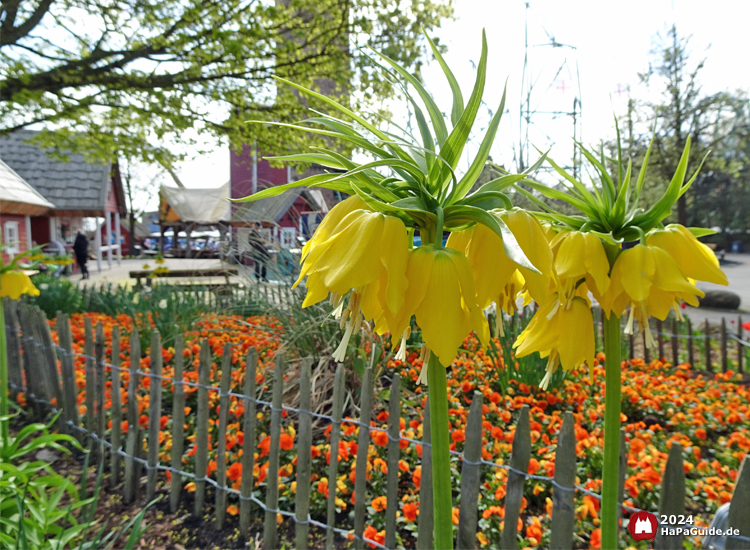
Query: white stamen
[[401, 354], [339, 308], [554, 310], [545, 381], [340, 352], [425, 365], [631, 318], [677, 311]]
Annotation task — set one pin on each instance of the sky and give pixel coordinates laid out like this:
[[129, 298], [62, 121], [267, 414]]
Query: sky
[[606, 45]]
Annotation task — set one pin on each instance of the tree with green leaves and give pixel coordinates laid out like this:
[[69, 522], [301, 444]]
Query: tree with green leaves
[[683, 112], [135, 75]]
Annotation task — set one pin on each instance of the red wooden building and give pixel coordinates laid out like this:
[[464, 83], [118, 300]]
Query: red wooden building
[[78, 189], [18, 203], [284, 220]]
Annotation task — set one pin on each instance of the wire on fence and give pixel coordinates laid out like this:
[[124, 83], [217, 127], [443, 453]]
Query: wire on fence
[[269, 406]]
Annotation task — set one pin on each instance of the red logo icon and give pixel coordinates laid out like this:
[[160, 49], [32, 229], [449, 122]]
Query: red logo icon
[[643, 525]]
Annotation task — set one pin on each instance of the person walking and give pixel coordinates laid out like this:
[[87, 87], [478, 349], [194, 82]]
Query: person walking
[[259, 254], [81, 250]]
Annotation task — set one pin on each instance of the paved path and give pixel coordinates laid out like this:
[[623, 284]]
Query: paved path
[[120, 274], [738, 272]]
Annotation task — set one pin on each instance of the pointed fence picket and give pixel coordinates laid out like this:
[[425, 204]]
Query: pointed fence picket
[[394, 453], [47, 370], [363, 444]]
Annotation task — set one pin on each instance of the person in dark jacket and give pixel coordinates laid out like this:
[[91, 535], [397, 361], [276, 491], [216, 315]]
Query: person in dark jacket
[[259, 254], [81, 250]]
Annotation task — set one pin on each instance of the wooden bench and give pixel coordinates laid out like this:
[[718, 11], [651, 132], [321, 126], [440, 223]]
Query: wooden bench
[[150, 274]]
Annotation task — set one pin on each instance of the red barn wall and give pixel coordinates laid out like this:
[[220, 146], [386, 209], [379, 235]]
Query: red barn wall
[[40, 229], [22, 237]]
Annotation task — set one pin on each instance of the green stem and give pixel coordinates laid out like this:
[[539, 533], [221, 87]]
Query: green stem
[[4, 393], [439, 229], [612, 403], [441, 459]]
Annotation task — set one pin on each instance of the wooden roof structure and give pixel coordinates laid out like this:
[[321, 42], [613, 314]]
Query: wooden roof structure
[[77, 187], [18, 197]]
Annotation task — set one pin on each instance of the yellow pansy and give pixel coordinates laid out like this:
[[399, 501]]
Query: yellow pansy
[[494, 271], [694, 258], [13, 284], [442, 296]]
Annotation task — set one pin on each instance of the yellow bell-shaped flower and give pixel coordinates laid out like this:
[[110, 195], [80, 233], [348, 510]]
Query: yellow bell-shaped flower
[[331, 221], [581, 255], [13, 284], [366, 252], [564, 332], [442, 296], [493, 270], [694, 258], [647, 279], [364, 247]]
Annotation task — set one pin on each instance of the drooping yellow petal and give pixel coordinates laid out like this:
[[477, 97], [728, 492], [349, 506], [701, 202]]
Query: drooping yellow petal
[[331, 220], [533, 241], [597, 263], [491, 267], [693, 258], [477, 319], [316, 290], [394, 255], [13, 284], [570, 260], [459, 240], [542, 333], [668, 275], [577, 344], [440, 315], [638, 270], [580, 255]]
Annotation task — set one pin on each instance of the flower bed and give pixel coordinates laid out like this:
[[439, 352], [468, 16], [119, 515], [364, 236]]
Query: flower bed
[[662, 405]]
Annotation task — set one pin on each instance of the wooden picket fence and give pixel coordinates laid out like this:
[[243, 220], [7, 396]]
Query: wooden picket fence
[[677, 343], [45, 372]]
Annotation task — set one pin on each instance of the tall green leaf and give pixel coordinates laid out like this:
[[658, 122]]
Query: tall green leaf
[[451, 150], [458, 98]]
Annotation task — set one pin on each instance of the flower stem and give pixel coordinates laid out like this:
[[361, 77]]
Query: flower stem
[[4, 393], [441, 459], [439, 228], [612, 403]]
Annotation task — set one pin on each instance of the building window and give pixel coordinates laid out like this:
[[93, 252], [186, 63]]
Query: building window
[[287, 236], [11, 238]]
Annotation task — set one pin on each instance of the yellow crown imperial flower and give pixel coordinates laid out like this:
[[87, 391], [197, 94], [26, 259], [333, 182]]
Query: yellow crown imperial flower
[[581, 256], [442, 296], [549, 334], [13, 284], [649, 280], [331, 221], [364, 248], [494, 271], [694, 258]]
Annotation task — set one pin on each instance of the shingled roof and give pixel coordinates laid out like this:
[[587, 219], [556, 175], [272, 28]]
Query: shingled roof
[[74, 186]]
